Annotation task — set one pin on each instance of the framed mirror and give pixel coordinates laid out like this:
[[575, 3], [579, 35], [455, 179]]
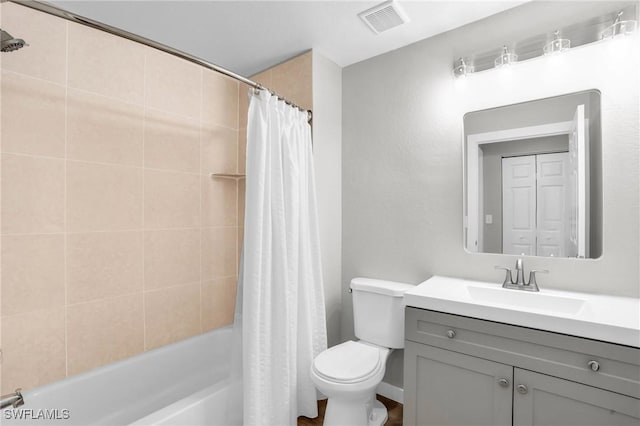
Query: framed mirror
[[533, 178]]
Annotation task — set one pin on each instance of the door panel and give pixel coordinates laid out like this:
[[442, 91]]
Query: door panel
[[454, 389], [519, 205], [551, 238], [552, 401]]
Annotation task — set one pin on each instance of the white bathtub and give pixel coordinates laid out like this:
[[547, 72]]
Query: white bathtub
[[180, 384]]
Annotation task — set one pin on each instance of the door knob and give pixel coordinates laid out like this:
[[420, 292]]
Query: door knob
[[451, 334], [503, 382], [522, 389]]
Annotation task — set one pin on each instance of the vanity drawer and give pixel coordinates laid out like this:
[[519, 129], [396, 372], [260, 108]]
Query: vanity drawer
[[617, 367]]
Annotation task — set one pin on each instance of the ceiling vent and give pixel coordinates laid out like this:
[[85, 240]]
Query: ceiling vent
[[384, 16]]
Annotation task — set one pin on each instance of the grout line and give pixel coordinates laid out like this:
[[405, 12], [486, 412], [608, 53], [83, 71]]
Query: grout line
[[144, 178], [200, 137], [105, 298], [101, 163], [66, 225], [40, 79], [109, 231]]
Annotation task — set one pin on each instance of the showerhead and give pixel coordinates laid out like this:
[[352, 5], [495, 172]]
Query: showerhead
[[8, 43]]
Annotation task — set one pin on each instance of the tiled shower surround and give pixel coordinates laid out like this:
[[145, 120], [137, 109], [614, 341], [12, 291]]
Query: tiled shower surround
[[115, 240]]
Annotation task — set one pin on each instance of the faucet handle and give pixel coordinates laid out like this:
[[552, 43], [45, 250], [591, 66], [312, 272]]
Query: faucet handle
[[532, 277], [507, 277]]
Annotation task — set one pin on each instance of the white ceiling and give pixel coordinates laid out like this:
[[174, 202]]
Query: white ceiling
[[250, 36]]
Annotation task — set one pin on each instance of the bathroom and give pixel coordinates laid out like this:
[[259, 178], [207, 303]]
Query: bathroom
[[121, 253]]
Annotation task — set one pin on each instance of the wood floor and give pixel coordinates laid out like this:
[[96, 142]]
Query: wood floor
[[394, 409]]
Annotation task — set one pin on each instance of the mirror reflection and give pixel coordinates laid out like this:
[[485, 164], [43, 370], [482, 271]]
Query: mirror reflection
[[533, 178]]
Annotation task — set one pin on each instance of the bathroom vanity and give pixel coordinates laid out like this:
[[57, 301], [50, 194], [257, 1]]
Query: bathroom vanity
[[506, 360]]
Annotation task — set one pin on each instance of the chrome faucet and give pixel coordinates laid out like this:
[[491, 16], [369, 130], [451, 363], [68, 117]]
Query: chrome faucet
[[14, 400], [519, 283]]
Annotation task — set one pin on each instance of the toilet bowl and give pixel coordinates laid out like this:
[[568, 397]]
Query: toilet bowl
[[349, 373]]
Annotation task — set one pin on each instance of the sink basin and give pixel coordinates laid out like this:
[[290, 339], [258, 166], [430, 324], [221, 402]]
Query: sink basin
[[526, 299]]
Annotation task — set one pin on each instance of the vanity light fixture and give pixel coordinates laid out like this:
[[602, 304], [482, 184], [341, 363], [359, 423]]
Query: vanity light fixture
[[557, 45], [461, 68], [620, 27], [505, 58]]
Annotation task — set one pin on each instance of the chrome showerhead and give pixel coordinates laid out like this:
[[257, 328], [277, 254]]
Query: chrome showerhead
[[8, 43]]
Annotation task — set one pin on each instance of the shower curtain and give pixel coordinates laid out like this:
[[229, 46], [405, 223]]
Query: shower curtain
[[280, 308]]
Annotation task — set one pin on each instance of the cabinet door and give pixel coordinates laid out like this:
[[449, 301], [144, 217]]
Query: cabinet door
[[539, 400], [449, 388]]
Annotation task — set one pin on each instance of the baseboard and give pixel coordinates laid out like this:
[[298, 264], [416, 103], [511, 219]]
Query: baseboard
[[390, 391]]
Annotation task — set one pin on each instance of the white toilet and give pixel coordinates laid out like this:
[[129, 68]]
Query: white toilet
[[349, 373]]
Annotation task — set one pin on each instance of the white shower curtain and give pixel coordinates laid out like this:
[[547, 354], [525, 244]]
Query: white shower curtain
[[282, 314]]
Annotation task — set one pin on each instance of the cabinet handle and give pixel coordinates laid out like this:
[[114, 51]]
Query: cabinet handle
[[451, 334], [594, 365], [522, 389], [503, 382]]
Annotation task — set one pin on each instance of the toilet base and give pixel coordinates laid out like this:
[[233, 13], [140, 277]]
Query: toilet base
[[353, 413], [378, 415]]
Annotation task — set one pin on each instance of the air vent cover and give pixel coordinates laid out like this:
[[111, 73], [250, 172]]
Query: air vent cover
[[384, 16]]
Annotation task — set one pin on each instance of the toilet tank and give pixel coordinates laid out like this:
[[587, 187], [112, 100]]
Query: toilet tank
[[378, 311]]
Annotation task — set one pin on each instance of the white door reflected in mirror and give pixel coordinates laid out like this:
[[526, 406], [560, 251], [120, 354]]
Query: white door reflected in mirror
[[534, 177]]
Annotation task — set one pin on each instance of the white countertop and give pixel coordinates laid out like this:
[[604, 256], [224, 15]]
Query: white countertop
[[607, 318]]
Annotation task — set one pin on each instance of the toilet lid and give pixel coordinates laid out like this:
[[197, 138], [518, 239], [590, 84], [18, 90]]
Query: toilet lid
[[348, 362]]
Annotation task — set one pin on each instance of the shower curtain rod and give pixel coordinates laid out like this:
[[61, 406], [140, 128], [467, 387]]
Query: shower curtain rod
[[70, 16]]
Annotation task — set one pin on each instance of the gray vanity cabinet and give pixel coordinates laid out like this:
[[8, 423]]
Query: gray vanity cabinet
[[548, 400], [466, 371], [450, 388]]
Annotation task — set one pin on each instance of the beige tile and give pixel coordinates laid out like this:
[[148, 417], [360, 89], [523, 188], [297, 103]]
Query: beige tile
[[172, 84], [32, 194], [219, 202], [243, 104], [219, 100], [32, 273], [104, 130], [219, 150], [106, 64], [219, 252], [242, 150], [171, 142], [263, 77], [103, 197], [172, 314], [171, 257], [240, 242], [171, 200], [241, 201], [104, 331], [292, 79], [33, 349], [33, 114], [103, 264], [218, 303], [47, 38]]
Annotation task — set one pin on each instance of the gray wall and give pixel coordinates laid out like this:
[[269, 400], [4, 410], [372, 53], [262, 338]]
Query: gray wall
[[402, 154], [492, 173]]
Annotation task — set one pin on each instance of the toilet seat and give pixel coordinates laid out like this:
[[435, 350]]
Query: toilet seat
[[349, 362]]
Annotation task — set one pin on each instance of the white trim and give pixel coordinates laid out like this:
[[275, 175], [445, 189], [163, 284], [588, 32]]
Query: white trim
[[551, 129], [392, 392]]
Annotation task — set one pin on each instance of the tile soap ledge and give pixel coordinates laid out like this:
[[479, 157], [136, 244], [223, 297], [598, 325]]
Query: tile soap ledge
[[227, 176]]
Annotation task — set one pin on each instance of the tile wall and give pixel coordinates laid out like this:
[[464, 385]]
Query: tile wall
[[114, 239]]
